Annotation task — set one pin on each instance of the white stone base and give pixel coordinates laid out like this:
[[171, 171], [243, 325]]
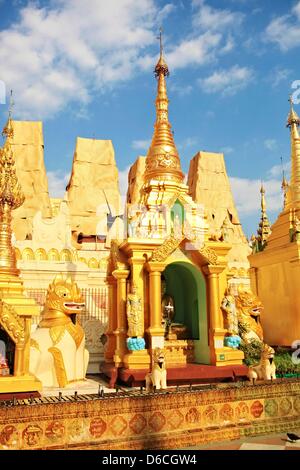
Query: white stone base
[[84, 387]]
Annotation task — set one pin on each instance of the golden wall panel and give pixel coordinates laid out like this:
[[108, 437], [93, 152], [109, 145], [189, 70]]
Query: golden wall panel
[[153, 421]]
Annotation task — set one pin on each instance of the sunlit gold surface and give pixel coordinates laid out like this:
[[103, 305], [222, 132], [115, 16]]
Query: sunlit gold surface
[[275, 272], [16, 309], [293, 123]]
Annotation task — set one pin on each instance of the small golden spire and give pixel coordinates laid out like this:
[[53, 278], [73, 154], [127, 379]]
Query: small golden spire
[[8, 132], [284, 185], [11, 197], [264, 229], [293, 123], [162, 162]]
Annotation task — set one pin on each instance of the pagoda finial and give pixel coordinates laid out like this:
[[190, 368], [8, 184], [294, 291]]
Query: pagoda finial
[[293, 123], [264, 229], [160, 41], [161, 66], [11, 197], [8, 132], [293, 117], [262, 199], [284, 185], [162, 162]]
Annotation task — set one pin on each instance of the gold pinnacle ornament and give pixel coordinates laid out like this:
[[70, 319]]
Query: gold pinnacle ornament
[[293, 123], [162, 162], [11, 197]]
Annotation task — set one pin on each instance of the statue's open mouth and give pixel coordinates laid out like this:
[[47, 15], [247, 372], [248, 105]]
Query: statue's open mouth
[[256, 310], [74, 305]]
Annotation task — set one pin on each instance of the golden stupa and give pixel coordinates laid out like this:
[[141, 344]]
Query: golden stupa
[[275, 268]]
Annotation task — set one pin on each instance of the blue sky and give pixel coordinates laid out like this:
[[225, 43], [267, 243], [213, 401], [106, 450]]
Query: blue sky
[[85, 69]]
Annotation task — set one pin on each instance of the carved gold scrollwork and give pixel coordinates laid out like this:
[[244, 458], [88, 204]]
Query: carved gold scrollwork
[[161, 253], [209, 254], [12, 324]]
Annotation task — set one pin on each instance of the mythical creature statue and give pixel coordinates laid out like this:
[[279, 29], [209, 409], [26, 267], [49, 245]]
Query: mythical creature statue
[[249, 308], [266, 369], [57, 354], [158, 376]]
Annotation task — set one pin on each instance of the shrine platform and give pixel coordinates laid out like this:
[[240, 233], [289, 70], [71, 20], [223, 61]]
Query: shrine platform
[[189, 374]]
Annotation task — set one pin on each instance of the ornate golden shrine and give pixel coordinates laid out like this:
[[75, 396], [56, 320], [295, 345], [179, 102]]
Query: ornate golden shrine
[[16, 309], [168, 235]]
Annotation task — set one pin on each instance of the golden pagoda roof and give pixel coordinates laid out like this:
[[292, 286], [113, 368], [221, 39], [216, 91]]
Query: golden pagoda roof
[[162, 162]]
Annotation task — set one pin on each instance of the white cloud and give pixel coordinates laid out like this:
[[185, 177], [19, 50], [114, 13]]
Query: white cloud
[[285, 30], [227, 82], [165, 12], [209, 18], [279, 75], [67, 51], [187, 143], [141, 144], [271, 144], [246, 193], [181, 90], [57, 182], [211, 36], [276, 170], [194, 51]]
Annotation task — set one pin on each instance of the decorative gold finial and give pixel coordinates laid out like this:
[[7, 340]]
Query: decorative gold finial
[[293, 123], [11, 197], [8, 132], [162, 162], [293, 117], [264, 229], [284, 185], [263, 199]]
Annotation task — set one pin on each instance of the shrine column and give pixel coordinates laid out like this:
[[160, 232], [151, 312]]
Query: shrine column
[[121, 331], [155, 330], [112, 319], [216, 327], [137, 271]]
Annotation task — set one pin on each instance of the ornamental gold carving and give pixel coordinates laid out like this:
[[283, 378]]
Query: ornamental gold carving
[[209, 254], [161, 253], [11, 322]]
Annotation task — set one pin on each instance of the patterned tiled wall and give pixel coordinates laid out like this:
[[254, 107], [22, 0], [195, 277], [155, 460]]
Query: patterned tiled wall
[[153, 421]]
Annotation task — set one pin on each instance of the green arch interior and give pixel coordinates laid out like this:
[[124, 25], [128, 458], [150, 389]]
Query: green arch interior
[[178, 210], [186, 284]]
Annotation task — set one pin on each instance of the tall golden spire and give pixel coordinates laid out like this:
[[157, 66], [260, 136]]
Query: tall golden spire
[[11, 197], [293, 123], [162, 162], [264, 229]]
